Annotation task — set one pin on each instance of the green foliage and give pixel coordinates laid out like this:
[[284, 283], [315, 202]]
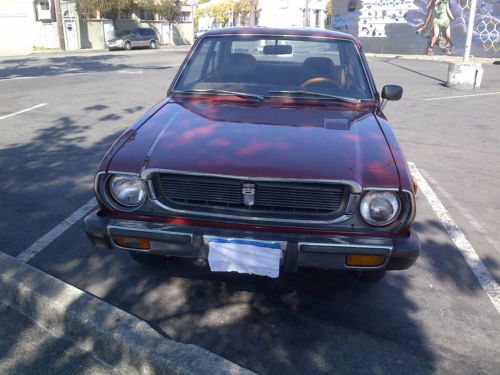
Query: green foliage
[[221, 12], [89, 8], [169, 9], [328, 8]]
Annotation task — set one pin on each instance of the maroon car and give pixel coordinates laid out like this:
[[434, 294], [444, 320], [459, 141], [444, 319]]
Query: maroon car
[[269, 153]]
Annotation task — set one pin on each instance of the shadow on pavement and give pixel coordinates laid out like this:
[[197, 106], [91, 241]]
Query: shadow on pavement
[[54, 66], [442, 82], [313, 321], [49, 174]]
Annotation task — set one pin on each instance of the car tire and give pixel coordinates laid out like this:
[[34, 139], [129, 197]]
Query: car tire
[[148, 259], [128, 46], [153, 44], [369, 276]]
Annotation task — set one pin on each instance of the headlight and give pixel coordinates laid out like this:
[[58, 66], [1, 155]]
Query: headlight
[[380, 208], [129, 191]]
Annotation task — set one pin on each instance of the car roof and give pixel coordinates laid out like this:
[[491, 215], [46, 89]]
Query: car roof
[[259, 30]]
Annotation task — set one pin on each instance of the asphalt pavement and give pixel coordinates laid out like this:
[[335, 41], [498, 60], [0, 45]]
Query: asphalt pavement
[[432, 318]]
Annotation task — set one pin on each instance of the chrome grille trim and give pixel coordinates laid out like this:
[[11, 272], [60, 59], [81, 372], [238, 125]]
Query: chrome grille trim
[[149, 173]]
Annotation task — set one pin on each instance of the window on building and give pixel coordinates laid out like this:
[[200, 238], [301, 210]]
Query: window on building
[[185, 17], [124, 15], [43, 12], [146, 15], [352, 6], [316, 18]]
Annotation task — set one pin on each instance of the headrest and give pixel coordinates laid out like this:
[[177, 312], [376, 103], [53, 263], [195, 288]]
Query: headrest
[[321, 65]]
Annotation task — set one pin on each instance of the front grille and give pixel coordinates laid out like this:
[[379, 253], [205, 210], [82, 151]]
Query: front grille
[[280, 199]]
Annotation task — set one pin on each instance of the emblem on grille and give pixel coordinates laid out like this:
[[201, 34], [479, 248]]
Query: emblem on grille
[[248, 191]]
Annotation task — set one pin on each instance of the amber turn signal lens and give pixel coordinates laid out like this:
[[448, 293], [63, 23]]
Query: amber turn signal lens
[[132, 242], [354, 260]]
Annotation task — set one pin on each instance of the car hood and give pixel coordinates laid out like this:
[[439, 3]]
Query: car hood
[[262, 140]]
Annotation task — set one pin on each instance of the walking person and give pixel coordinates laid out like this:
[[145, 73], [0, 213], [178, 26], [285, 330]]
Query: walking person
[[440, 12]]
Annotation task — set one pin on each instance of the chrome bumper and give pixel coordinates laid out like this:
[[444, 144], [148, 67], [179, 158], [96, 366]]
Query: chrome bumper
[[298, 250]]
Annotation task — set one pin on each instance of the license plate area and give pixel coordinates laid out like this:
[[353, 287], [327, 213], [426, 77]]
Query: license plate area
[[244, 256]]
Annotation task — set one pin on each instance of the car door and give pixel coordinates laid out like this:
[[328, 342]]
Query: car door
[[144, 37], [135, 38]]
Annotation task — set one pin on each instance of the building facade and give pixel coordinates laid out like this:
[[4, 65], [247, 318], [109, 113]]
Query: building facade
[[292, 13], [389, 26], [30, 25]]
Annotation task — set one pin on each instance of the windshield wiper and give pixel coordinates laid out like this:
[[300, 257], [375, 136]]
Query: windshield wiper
[[305, 93], [223, 92]]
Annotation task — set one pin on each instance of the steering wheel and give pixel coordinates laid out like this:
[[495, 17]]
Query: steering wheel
[[316, 80]]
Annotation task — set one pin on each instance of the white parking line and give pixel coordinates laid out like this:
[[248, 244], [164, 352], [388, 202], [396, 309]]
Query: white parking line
[[482, 274], [477, 226], [129, 71], [464, 96], [22, 111], [27, 254]]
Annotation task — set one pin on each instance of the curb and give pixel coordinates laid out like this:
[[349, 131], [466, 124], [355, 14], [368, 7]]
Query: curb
[[114, 336], [85, 52], [448, 59]]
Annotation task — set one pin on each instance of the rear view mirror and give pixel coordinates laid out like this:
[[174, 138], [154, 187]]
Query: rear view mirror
[[278, 49], [392, 92]]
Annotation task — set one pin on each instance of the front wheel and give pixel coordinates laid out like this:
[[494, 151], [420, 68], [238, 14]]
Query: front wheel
[[148, 259], [369, 276], [128, 46], [153, 45]]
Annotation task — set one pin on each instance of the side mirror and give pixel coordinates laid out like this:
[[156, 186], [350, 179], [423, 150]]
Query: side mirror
[[392, 92]]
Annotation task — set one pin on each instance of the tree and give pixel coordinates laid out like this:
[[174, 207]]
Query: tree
[[328, 8], [243, 8], [170, 10], [89, 8]]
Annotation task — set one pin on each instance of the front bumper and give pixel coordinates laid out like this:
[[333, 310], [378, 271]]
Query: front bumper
[[298, 250]]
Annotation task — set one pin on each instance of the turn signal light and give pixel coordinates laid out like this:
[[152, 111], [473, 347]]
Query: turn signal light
[[354, 260], [132, 242]]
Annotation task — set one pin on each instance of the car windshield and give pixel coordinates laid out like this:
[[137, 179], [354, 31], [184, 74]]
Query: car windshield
[[270, 66]]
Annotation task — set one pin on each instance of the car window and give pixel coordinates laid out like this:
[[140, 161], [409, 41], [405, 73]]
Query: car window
[[263, 65], [204, 62]]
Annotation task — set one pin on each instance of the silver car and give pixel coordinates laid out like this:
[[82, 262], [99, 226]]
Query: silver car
[[139, 37]]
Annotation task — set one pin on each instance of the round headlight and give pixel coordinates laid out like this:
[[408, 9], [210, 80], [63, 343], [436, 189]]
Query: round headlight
[[379, 208], [129, 191]]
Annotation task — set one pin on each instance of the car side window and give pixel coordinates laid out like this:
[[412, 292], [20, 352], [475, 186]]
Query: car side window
[[205, 62]]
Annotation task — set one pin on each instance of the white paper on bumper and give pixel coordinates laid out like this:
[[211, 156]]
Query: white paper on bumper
[[244, 256]]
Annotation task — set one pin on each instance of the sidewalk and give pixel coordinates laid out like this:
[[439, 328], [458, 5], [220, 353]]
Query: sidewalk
[[439, 58], [25, 348], [89, 52]]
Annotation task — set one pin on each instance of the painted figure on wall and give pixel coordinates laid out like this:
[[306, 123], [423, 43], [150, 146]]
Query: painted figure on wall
[[440, 13]]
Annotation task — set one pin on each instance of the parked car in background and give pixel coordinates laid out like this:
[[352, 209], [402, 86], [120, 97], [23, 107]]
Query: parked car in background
[[263, 162], [140, 37]]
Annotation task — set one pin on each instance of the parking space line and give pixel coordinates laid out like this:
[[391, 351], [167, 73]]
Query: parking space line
[[22, 111], [479, 228], [482, 274], [464, 96], [27, 254]]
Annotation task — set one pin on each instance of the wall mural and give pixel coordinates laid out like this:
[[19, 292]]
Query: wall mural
[[374, 18], [486, 23], [376, 14]]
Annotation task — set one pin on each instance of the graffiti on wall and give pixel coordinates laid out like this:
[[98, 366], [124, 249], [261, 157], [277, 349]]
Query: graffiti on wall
[[486, 22], [373, 17], [376, 14]]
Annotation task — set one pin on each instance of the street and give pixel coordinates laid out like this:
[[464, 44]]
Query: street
[[59, 115]]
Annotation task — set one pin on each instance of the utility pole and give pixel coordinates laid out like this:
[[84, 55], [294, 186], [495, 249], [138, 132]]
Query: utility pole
[[253, 13], [470, 27], [466, 75], [306, 11], [60, 30]]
